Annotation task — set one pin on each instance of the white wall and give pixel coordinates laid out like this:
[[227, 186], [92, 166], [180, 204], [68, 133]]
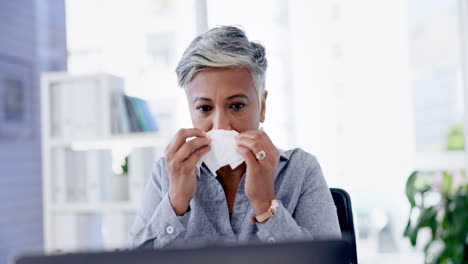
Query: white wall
[[353, 101]]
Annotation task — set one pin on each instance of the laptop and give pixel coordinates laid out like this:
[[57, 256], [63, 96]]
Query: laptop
[[323, 252]]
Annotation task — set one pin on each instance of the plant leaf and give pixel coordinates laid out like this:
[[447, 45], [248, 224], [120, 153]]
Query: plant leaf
[[427, 217], [447, 184], [407, 231], [410, 188]]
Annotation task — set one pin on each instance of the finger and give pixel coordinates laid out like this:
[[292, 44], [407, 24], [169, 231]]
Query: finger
[[263, 140], [181, 137], [250, 133], [191, 146], [253, 145], [268, 145], [256, 135], [249, 158], [267, 139], [193, 159]]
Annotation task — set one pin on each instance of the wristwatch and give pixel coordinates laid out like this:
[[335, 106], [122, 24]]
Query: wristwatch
[[262, 218]]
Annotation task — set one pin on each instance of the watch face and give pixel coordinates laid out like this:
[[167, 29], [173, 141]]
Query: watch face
[[275, 204]]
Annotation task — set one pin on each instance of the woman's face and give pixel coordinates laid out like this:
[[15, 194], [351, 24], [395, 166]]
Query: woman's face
[[225, 98]]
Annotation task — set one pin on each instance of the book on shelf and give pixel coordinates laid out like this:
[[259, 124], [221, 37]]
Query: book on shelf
[[140, 116], [121, 114], [96, 106], [132, 116]]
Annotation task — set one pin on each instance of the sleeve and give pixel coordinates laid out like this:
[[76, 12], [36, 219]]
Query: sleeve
[[156, 224], [314, 216]]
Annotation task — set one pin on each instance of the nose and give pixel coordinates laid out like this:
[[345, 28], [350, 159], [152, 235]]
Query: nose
[[221, 120]]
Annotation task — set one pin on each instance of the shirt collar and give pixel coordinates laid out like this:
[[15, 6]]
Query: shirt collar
[[284, 155]]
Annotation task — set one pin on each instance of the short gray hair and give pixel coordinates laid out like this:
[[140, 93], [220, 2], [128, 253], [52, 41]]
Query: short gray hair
[[224, 46]]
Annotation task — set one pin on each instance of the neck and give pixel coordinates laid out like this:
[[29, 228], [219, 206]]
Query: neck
[[230, 180], [230, 174]]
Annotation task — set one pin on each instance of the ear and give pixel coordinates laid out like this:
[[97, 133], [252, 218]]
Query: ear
[[263, 106]]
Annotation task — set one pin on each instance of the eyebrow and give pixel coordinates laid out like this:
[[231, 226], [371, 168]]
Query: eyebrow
[[229, 98], [238, 96], [201, 99]]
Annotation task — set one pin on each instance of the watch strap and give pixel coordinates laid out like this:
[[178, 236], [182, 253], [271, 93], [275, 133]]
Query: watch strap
[[263, 217]]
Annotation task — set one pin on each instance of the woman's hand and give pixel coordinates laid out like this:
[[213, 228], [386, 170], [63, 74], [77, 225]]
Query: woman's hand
[[259, 184], [182, 157]]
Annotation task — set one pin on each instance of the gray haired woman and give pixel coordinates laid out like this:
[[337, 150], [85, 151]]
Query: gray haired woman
[[274, 195]]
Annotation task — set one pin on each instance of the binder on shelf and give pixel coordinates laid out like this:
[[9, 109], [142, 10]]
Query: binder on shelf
[[64, 232], [140, 163], [76, 176], [81, 176], [115, 229], [78, 232], [89, 109], [83, 107], [99, 173], [59, 185], [105, 175], [89, 232], [61, 119], [92, 177], [95, 106], [115, 115]]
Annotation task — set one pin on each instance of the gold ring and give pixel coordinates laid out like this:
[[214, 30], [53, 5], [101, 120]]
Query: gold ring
[[260, 155]]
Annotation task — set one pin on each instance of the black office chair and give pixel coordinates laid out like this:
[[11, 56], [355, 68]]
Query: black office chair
[[345, 217]]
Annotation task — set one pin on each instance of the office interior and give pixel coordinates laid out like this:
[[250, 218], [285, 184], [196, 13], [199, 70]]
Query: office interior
[[376, 90]]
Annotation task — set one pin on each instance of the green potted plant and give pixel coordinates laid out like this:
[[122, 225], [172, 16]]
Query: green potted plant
[[439, 203], [120, 183], [124, 166]]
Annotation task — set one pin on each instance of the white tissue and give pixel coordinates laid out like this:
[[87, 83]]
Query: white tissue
[[223, 151]]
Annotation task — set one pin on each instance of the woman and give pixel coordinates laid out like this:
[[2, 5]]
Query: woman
[[274, 195]]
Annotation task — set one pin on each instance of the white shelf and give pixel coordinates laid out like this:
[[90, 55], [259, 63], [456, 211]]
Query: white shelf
[[133, 139], [81, 160], [95, 208]]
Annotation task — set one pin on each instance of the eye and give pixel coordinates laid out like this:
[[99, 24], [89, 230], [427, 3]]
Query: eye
[[237, 106], [204, 108]]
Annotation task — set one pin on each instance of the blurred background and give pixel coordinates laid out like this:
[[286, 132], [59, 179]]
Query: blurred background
[[89, 99]]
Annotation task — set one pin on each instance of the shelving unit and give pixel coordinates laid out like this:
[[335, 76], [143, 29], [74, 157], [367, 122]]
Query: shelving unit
[[83, 208], [94, 208], [134, 140]]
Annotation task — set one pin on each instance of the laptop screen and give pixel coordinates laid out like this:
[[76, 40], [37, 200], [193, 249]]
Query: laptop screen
[[332, 252]]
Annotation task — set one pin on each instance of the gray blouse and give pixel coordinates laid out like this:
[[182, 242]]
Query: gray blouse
[[306, 210]]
